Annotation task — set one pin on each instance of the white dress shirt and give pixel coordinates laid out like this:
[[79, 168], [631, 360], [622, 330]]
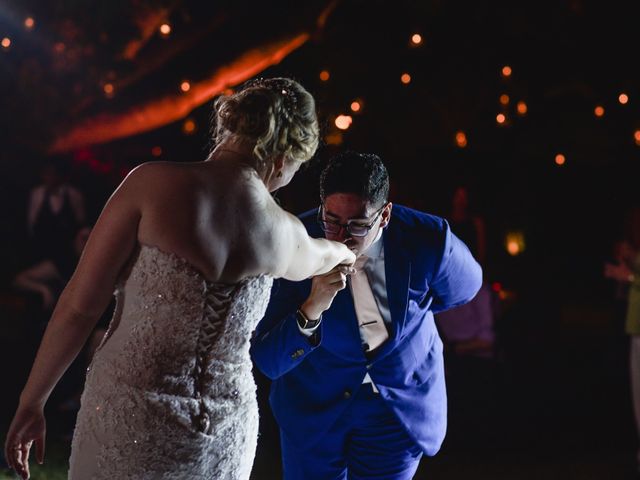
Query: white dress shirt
[[369, 292]]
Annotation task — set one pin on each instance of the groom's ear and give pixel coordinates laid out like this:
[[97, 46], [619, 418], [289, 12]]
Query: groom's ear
[[386, 215]]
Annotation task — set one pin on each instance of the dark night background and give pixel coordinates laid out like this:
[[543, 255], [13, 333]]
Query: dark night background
[[555, 403]]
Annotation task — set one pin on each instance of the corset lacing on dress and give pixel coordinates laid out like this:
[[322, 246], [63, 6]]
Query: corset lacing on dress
[[217, 298]]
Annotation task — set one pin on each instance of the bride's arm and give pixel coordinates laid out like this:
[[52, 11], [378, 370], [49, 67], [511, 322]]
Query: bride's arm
[[84, 299], [302, 256], [88, 292]]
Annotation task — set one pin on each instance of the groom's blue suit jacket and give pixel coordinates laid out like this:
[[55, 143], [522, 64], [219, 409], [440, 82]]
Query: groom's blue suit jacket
[[428, 269]]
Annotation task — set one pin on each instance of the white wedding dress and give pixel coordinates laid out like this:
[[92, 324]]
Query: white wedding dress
[[170, 392]]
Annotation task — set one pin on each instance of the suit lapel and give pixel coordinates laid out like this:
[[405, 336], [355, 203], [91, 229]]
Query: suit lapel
[[397, 268]]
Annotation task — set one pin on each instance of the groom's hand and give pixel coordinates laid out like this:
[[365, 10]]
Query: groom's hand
[[324, 289]]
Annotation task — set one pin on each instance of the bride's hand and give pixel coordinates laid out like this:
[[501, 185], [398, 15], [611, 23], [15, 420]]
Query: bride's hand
[[28, 426]]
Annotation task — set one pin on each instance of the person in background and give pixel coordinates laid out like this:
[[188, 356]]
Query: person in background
[[48, 277], [55, 211], [626, 271], [469, 329]]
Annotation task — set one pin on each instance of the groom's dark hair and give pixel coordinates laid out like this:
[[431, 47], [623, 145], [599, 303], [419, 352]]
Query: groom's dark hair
[[361, 173]]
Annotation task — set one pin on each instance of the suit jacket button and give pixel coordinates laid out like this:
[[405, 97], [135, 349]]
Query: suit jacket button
[[297, 353], [347, 394]]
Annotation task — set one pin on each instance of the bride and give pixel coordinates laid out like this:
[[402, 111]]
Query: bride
[[191, 250]]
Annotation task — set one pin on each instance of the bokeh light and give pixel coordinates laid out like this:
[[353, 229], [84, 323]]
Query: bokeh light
[[522, 108], [189, 126], [560, 159], [514, 243], [461, 139], [343, 122], [405, 78], [325, 75]]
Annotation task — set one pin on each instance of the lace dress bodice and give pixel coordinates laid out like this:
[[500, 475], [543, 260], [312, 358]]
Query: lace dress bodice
[[170, 391]]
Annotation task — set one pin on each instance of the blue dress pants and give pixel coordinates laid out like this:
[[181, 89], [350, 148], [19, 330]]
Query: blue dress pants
[[366, 442]]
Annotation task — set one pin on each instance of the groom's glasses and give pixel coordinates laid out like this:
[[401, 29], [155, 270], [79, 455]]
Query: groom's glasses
[[353, 227]]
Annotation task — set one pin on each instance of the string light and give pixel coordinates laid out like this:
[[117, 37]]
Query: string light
[[504, 99], [165, 29], [560, 159], [461, 139], [355, 106], [108, 89], [522, 108], [405, 78], [416, 39], [506, 71], [334, 138], [325, 75], [343, 122], [6, 42], [156, 151], [636, 137], [514, 243], [29, 22], [189, 126], [185, 86], [623, 98], [599, 111], [501, 118]]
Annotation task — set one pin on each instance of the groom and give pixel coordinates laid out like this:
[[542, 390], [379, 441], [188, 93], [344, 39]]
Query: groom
[[358, 380]]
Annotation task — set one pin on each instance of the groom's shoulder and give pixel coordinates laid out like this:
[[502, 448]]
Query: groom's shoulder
[[309, 219], [410, 218]]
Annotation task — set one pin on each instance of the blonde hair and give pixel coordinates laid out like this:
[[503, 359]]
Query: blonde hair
[[276, 115]]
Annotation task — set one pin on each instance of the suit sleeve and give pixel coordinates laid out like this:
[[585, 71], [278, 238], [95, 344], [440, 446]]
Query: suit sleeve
[[458, 277], [277, 345]]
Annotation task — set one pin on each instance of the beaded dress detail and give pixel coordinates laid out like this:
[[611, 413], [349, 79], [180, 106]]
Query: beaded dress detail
[[170, 392]]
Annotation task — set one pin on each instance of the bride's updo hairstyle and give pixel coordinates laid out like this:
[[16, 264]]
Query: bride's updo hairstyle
[[275, 115]]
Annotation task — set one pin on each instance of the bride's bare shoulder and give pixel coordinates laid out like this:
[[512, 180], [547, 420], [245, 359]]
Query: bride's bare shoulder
[[161, 178]]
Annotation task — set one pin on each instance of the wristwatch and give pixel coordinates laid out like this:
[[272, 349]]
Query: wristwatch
[[304, 322]]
